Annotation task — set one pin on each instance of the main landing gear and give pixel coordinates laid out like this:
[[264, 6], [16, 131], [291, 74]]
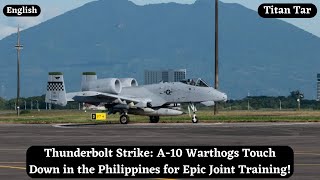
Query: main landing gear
[[154, 119], [124, 118], [193, 108]]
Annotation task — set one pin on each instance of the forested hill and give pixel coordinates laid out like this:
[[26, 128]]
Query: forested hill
[[117, 38]]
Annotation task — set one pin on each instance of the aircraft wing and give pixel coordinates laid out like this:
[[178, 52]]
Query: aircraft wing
[[94, 96]]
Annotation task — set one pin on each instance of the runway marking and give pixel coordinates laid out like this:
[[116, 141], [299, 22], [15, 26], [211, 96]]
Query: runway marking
[[13, 167], [308, 153], [12, 162], [174, 125], [307, 164]]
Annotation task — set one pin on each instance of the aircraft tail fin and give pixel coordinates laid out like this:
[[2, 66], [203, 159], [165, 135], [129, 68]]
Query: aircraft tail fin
[[56, 91], [86, 78]]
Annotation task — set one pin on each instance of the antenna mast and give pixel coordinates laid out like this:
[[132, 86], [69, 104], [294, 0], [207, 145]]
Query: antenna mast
[[18, 47], [216, 80]]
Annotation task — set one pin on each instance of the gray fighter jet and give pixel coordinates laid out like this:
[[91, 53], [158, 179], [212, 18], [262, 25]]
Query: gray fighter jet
[[124, 96]]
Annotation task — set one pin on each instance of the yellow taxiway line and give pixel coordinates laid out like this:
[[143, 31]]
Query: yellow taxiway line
[[12, 162], [13, 167]]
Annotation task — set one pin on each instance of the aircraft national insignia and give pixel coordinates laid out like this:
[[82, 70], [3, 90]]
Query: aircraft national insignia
[[57, 77], [168, 92]]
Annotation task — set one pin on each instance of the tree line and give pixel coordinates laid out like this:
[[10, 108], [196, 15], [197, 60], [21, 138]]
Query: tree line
[[34, 102], [250, 102], [295, 100]]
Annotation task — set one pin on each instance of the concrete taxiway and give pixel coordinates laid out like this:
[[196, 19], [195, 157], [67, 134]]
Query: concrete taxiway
[[303, 138]]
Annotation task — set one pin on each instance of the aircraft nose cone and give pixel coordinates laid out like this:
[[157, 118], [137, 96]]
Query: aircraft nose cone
[[224, 97]]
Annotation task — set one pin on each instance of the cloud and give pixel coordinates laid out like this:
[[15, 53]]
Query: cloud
[[26, 22], [6, 30], [49, 9], [10, 26]]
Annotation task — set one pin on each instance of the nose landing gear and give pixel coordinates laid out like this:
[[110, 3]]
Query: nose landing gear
[[193, 108], [194, 118]]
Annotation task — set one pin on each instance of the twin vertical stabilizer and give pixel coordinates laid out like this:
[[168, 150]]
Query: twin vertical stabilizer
[[87, 77], [56, 91]]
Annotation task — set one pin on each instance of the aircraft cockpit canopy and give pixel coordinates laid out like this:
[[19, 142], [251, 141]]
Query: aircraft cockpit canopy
[[195, 82]]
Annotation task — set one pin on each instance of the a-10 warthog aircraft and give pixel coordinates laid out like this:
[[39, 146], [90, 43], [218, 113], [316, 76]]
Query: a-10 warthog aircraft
[[126, 97]]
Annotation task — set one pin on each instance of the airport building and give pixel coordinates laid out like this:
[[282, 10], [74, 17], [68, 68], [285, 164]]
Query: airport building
[[171, 75], [318, 87]]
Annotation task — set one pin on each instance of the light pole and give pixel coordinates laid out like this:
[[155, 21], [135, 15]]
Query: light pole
[[37, 105], [2, 91], [299, 96], [280, 104], [31, 105], [25, 105], [248, 101], [216, 81], [18, 47]]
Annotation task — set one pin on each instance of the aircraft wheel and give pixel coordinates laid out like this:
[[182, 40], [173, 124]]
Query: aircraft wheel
[[194, 119], [124, 119], [154, 119]]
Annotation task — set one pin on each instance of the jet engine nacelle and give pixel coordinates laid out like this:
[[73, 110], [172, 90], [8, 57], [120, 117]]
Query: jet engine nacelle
[[129, 82], [108, 85]]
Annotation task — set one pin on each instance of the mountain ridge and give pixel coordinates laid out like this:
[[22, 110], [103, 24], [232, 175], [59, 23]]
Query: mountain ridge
[[257, 55]]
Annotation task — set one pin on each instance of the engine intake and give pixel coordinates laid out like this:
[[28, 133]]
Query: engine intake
[[129, 82], [108, 85]]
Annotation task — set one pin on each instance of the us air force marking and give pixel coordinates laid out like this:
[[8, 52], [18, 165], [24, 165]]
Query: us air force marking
[[168, 92]]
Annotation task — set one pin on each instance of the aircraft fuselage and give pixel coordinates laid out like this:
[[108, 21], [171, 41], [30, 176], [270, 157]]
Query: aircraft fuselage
[[174, 92]]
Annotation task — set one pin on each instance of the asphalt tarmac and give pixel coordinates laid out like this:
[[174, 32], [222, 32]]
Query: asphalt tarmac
[[303, 138]]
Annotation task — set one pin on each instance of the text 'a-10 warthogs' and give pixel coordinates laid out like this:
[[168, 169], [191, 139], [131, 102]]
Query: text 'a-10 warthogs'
[[124, 96]]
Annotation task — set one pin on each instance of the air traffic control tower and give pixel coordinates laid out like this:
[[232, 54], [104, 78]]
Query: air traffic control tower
[[318, 87]]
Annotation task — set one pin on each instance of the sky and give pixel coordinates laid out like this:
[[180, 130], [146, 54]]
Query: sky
[[50, 9]]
